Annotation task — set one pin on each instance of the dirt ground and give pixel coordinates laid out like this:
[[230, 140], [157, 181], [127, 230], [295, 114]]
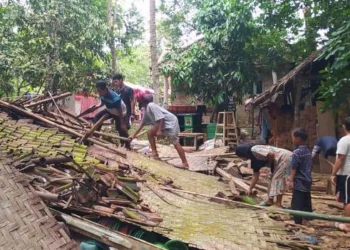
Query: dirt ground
[[328, 235]]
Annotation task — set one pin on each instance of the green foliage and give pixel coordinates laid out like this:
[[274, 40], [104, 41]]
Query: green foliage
[[135, 66], [57, 44], [219, 66], [336, 87], [178, 19]]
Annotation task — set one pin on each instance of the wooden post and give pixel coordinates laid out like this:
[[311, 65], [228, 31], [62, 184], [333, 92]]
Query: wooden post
[[298, 88], [253, 120], [95, 127], [166, 90]]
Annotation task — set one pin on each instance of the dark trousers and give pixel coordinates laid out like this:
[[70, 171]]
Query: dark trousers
[[117, 125], [301, 201]]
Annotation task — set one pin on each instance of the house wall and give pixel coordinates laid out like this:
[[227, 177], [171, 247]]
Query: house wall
[[282, 127]]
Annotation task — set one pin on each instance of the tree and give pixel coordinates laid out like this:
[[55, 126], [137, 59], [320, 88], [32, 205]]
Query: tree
[[177, 21], [335, 88], [135, 66], [218, 66], [153, 49]]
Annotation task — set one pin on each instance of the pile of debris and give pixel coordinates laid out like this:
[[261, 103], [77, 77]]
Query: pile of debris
[[62, 173]]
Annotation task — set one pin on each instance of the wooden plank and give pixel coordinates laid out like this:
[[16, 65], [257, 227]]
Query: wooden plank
[[105, 235], [238, 182]]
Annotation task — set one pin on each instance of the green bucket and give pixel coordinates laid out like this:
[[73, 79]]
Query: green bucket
[[160, 245], [176, 245]]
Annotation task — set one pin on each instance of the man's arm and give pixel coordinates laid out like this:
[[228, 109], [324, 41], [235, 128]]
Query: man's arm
[[295, 166], [121, 118], [339, 163], [132, 102], [137, 131], [291, 178], [315, 152], [255, 180]]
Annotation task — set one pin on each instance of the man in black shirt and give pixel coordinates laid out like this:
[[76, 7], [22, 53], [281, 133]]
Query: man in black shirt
[[127, 95]]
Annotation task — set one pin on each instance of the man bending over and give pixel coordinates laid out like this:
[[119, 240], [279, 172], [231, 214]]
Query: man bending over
[[164, 124]]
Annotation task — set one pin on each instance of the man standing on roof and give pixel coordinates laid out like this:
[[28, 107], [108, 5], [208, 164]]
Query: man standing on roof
[[127, 95], [115, 107], [164, 124]]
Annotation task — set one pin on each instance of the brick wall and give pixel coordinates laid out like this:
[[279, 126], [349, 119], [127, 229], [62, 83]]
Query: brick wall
[[282, 127]]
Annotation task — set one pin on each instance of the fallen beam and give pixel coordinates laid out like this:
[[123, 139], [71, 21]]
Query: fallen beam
[[80, 120], [103, 234], [95, 127], [63, 128], [238, 182], [47, 100]]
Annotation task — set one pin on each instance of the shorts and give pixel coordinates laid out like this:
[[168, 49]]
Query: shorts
[[172, 134], [343, 188], [330, 152]]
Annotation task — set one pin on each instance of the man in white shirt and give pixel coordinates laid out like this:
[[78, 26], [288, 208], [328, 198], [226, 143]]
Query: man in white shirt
[[164, 124], [341, 173]]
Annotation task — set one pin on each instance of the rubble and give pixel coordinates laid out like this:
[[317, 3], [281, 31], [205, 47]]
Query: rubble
[[71, 178]]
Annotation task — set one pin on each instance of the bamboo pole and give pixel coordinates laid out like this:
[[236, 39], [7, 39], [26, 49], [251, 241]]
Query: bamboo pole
[[239, 182], [48, 196], [52, 160], [47, 100], [58, 109], [80, 120], [73, 223], [98, 231], [63, 128], [309, 215], [110, 135], [95, 127]]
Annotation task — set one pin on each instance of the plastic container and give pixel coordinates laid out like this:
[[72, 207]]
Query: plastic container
[[188, 121], [160, 245], [176, 245]]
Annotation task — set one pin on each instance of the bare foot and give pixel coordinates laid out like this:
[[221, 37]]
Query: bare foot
[[185, 165], [153, 156], [342, 227]]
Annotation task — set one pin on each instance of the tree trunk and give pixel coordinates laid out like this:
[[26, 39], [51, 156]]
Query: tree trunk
[[153, 48], [111, 19], [274, 77], [113, 49], [166, 90], [298, 88]]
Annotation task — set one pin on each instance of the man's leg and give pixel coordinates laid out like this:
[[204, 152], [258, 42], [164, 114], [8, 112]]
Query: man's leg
[[347, 214], [98, 116], [181, 153], [127, 121], [152, 141], [297, 204], [279, 200], [121, 133]]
